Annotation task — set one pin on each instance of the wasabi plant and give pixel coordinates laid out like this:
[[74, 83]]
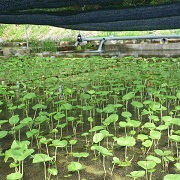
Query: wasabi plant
[[75, 167], [18, 152], [147, 166], [127, 141], [58, 144], [42, 158], [104, 153]]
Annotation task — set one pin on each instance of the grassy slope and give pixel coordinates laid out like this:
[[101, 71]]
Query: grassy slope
[[17, 33]]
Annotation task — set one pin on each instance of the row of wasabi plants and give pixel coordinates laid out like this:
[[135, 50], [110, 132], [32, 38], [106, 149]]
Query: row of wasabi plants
[[118, 116]]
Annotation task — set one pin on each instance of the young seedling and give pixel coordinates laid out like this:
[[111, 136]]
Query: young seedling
[[165, 157], [137, 105], [67, 107], [147, 165], [106, 135], [45, 141], [19, 152], [58, 144], [113, 118], [127, 97], [115, 161], [72, 142], [98, 137], [52, 172], [127, 141], [85, 134], [38, 158], [13, 121], [75, 167], [61, 126], [176, 139], [105, 152]]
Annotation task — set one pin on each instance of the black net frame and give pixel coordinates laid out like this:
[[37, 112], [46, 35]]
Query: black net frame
[[101, 15]]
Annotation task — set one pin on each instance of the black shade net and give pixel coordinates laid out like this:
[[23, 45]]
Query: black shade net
[[101, 15]]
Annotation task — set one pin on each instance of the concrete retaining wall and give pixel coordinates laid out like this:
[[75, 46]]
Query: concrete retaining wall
[[141, 47]]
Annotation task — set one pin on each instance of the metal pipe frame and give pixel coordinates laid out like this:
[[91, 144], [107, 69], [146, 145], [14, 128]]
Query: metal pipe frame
[[103, 39], [132, 37]]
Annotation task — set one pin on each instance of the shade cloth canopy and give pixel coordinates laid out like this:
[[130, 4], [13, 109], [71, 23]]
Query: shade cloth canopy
[[101, 15]]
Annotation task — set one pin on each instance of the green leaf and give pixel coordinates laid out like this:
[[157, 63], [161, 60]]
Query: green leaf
[[162, 127], [66, 106], [73, 141], [32, 133], [27, 120], [116, 160], [142, 137], [167, 119], [153, 158], [3, 134], [18, 154], [81, 154], [178, 95], [58, 143], [44, 140], [123, 124], [109, 109], [147, 143], [106, 133], [3, 122], [155, 106], [39, 106], [53, 171], [91, 92], [128, 96], [172, 177], [13, 165], [162, 153], [137, 104], [14, 119], [177, 166], [96, 128], [29, 96], [58, 116], [98, 137], [111, 119], [155, 134], [102, 150], [154, 118], [85, 96], [126, 141], [14, 176], [137, 174], [37, 158], [133, 123], [175, 138], [20, 144], [75, 166], [149, 125], [126, 114], [147, 164], [176, 121]]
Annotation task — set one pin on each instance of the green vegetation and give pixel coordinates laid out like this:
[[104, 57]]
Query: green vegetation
[[37, 33], [118, 115]]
